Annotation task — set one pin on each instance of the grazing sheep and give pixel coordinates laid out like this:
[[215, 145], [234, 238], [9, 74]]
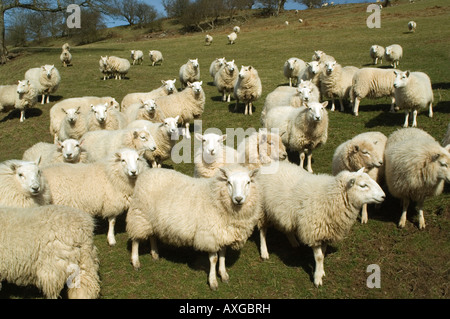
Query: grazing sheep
[[372, 83], [412, 25], [446, 139], [45, 79], [21, 96], [207, 214], [225, 79], [365, 150], [145, 110], [216, 65], [74, 125], [236, 29], [189, 72], [137, 56], [393, 54], [301, 129], [22, 185], [104, 67], [67, 151], [377, 53], [413, 92], [66, 58], [155, 57], [100, 189], [208, 39], [232, 37], [49, 247], [167, 88], [248, 88], [322, 57], [315, 209], [292, 68], [118, 67], [416, 168], [336, 81], [105, 117]]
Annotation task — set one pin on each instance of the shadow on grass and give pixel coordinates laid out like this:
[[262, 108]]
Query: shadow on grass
[[240, 109], [441, 85], [15, 114]]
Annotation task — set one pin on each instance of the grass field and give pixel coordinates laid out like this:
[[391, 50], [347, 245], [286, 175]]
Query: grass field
[[413, 263]]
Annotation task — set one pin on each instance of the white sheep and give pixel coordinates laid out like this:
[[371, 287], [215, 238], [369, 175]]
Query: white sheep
[[21, 96], [416, 168], [119, 67], [225, 80], [248, 88], [311, 72], [66, 58], [45, 79], [365, 150], [155, 57], [207, 214], [393, 54], [137, 56], [22, 185], [145, 110], [376, 53], [292, 68], [315, 209], [446, 139], [100, 189], [322, 57], [67, 151], [301, 129], [73, 126], [189, 72], [105, 117], [216, 65], [167, 88], [413, 92], [66, 46], [412, 25], [208, 39], [104, 67], [372, 83], [49, 247], [232, 37], [236, 29]]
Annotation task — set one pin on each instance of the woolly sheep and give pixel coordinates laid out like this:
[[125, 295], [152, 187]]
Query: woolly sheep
[[315, 209], [155, 57], [100, 189], [119, 67], [322, 57], [137, 56], [301, 129], [232, 37], [311, 72], [67, 151], [66, 47], [45, 79], [189, 72], [104, 67], [372, 83], [416, 168], [22, 185], [145, 110], [393, 54], [225, 79], [49, 247], [216, 65], [413, 92], [105, 117], [446, 139], [66, 58], [412, 25], [207, 214], [208, 39], [73, 126], [292, 68], [236, 29], [248, 88], [365, 150], [377, 53], [21, 96]]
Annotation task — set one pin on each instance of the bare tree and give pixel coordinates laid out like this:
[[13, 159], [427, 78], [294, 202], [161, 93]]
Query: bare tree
[[311, 3]]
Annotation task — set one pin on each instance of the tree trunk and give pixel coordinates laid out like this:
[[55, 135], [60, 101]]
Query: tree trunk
[[3, 51]]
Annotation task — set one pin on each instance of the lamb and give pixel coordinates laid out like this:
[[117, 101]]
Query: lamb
[[216, 65], [412, 25], [68, 151], [212, 155], [167, 88], [377, 53], [104, 117], [208, 39], [66, 58], [100, 189], [119, 67], [22, 185], [301, 129], [236, 29], [74, 125], [145, 110], [336, 81], [45, 79], [248, 88], [137, 56], [207, 214], [446, 139], [372, 83], [416, 168], [189, 72], [21, 96], [225, 79], [292, 68], [104, 67], [393, 54], [413, 92], [232, 37], [48, 247], [365, 150], [315, 209], [155, 57]]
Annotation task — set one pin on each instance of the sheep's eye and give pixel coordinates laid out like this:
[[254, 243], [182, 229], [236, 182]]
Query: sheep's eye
[[363, 186], [20, 175], [143, 138], [444, 165]]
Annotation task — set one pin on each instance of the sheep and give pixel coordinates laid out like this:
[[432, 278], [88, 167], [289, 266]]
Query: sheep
[[99, 144], [49, 247], [45, 79], [311, 72], [66, 47], [189, 72], [137, 56], [22, 185], [446, 139], [286, 23], [413, 91], [73, 126], [377, 53], [212, 154], [66, 58], [292, 68], [412, 25], [155, 57], [216, 65], [167, 88], [119, 67], [315, 209], [416, 168], [188, 104], [236, 29], [336, 81], [232, 37], [322, 57], [365, 150], [372, 83], [393, 54], [21, 96], [100, 189], [225, 79], [67, 151], [208, 39], [248, 88], [207, 214], [105, 117], [145, 110], [301, 129], [104, 67]]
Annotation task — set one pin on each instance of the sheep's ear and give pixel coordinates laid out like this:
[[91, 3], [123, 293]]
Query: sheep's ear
[[141, 153], [38, 161], [324, 104], [58, 143], [201, 82], [356, 148], [136, 133], [117, 156], [224, 137], [13, 167], [435, 157], [199, 136], [177, 117], [64, 110], [395, 72], [408, 74], [163, 82], [361, 170], [224, 173], [351, 183], [253, 173]]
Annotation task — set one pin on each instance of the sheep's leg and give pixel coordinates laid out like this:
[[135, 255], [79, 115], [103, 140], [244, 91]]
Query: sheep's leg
[[250, 108], [402, 221], [302, 158], [154, 164], [229, 97], [135, 254], [356, 106], [154, 248], [392, 109], [342, 104], [246, 109], [263, 243], [292, 239], [224, 96], [290, 81], [332, 105], [414, 122], [43, 99], [111, 238], [364, 217], [308, 164], [430, 110], [319, 271], [406, 119], [22, 115], [222, 269], [376, 61], [212, 278], [187, 134], [421, 218], [48, 99]]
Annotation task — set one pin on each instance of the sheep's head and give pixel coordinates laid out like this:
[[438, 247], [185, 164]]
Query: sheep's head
[[23, 86], [142, 139], [196, 86], [47, 69], [100, 112], [364, 154], [70, 149], [194, 63], [28, 176], [401, 78], [245, 70], [440, 163], [169, 85], [221, 61], [305, 92], [104, 60], [361, 188], [212, 145], [238, 182], [149, 106], [72, 114], [317, 55], [316, 110], [329, 67], [271, 147], [314, 67], [230, 66], [131, 161], [171, 126]]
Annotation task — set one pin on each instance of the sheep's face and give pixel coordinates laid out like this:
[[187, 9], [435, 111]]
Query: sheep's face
[[100, 112], [169, 86], [212, 145], [23, 86], [245, 71], [104, 60], [47, 69], [441, 163], [291, 63], [70, 149], [238, 184], [362, 189], [329, 67], [317, 55], [130, 161], [194, 63], [316, 110], [143, 139], [230, 66], [401, 79], [29, 177], [149, 106], [113, 103], [221, 61], [366, 156], [72, 115], [271, 146], [314, 67], [171, 126], [196, 87], [305, 93]]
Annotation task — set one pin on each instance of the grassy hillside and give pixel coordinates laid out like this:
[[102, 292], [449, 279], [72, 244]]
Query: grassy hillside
[[413, 263]]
